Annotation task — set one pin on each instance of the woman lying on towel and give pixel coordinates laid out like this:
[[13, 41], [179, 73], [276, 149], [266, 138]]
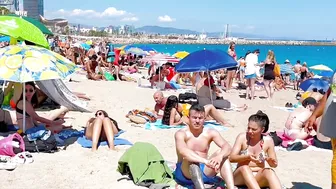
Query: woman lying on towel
[[53, 121], [177, 114], [255, 155], [101, 128]]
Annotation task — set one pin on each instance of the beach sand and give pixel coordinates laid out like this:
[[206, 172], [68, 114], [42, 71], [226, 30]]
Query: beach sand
[[77, 167]]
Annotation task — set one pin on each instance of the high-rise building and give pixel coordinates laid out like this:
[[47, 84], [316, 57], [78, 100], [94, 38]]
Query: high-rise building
[[34, 8]]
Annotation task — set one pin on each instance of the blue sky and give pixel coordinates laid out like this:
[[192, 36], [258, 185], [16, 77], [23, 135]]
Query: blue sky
[[283, 18]]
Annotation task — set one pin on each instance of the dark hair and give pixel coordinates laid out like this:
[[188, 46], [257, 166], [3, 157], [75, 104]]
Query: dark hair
[[94, 57], [34, 100], [256, 51], [197, 108], [261, 119], [231, 43], [158, 70], [172, 102], [106, 115]]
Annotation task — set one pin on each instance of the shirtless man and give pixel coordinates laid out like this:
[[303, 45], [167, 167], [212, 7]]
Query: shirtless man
[[91, 66], [160, 102], [296, 119], [297, 68], [192, 147]]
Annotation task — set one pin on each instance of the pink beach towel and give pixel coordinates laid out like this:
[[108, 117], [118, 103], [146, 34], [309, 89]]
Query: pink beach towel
[[6, 144], [286, 140]]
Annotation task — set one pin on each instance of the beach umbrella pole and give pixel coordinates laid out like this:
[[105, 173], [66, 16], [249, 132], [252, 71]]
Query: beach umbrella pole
[[210, 87]]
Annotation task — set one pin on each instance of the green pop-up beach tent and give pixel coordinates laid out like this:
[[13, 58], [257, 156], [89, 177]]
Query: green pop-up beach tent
[[36, 23]]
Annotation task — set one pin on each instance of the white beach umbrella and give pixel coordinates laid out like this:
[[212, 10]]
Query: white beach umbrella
[[321, 67]]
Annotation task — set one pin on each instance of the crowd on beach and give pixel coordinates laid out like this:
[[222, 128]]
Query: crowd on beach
[[253, 150]]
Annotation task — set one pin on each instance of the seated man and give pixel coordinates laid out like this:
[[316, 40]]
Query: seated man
[[160, 102], [192, 147], [296, 119]]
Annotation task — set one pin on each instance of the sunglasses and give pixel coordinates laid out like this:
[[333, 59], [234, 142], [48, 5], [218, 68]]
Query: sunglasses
[[29, 91]]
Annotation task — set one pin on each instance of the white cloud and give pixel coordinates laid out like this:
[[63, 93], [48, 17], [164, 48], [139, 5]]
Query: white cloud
[[106, 15], [130, 19], [166, 18]]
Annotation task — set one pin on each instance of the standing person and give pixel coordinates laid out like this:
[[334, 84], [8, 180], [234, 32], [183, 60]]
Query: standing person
[[251, 61], [327, 106], [304, 72], [231, 71], [269, 74], [297, 72]]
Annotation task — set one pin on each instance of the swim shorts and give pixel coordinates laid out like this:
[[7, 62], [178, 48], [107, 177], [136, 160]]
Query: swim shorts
[[252, 76], [182, 180]]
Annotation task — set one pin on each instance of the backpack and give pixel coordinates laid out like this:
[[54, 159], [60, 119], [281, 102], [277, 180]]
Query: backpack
[[48, 145]]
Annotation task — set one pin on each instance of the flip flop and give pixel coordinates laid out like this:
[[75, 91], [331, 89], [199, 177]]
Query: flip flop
[[6, 163]]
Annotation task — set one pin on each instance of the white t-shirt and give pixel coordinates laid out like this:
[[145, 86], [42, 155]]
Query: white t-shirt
[[251, 60]]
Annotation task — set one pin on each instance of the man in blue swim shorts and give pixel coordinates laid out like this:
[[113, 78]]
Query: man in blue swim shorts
[[192, 146]]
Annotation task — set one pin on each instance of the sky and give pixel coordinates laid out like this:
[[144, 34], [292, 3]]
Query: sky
[[305, 19]]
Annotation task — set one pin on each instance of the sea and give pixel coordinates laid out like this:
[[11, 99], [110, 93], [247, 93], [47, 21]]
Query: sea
[[312, 55]]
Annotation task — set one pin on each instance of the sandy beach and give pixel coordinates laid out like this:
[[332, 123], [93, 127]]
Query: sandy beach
[[77, 167]]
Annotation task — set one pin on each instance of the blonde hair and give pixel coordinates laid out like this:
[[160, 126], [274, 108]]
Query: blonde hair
[[271, 56]]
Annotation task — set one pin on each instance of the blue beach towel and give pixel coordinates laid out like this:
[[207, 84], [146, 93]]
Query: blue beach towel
[[158, 125], [117, 141]]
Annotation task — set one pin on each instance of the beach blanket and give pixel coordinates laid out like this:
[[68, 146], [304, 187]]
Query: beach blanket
[[287, 109], [158, 125], [86, 143], [287, 141]]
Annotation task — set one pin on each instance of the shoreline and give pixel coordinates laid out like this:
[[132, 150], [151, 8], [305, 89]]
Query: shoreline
[[124, 41]]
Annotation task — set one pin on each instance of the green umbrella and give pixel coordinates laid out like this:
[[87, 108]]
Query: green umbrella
[[22, 30], [36, 23]]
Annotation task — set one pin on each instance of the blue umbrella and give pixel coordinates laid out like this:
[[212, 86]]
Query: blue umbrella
[[206, 60], [326, 74], [317, 83], [4, 39]]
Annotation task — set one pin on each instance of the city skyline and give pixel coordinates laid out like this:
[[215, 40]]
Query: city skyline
[[305, 19]]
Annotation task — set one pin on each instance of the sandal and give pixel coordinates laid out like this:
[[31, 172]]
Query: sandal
[[23, 158], [6, 163]]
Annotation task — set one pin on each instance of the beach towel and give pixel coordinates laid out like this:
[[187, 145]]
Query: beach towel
[[158, 125], [86, 143], [287, 141], [287, 109]]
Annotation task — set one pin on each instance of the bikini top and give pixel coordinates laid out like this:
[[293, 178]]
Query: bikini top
[[20, 111], [262, 153]]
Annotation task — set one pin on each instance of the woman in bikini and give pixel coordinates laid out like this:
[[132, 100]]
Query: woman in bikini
[[53, 122], [177, 114], [255, 155], [101, 128]]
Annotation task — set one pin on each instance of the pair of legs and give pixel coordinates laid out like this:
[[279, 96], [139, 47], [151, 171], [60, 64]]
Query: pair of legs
[[101, 130], [269, 88], [225, 171], [56, 114], [96, 77], [265, 177], [229, 79], [115, 70], [250, 88]]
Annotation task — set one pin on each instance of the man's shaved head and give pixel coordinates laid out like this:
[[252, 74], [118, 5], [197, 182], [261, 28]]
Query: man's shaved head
[[158, 97]]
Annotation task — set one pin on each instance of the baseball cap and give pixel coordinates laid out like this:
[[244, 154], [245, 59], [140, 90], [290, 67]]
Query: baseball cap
[[309, 101]]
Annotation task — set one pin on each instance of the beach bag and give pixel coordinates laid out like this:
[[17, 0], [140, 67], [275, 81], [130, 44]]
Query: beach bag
[[46, 145], [12, 145], [276, 70]]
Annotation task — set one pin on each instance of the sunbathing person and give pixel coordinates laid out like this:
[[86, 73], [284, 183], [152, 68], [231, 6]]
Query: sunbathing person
[[215, 97], [160, 102], [101, 128], [192, 148], [255, 155], [92, 67], [177, 114], [53, 121], [294, 126]]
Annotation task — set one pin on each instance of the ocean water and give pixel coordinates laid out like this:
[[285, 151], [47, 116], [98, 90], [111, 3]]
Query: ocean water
[[313, 55]]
